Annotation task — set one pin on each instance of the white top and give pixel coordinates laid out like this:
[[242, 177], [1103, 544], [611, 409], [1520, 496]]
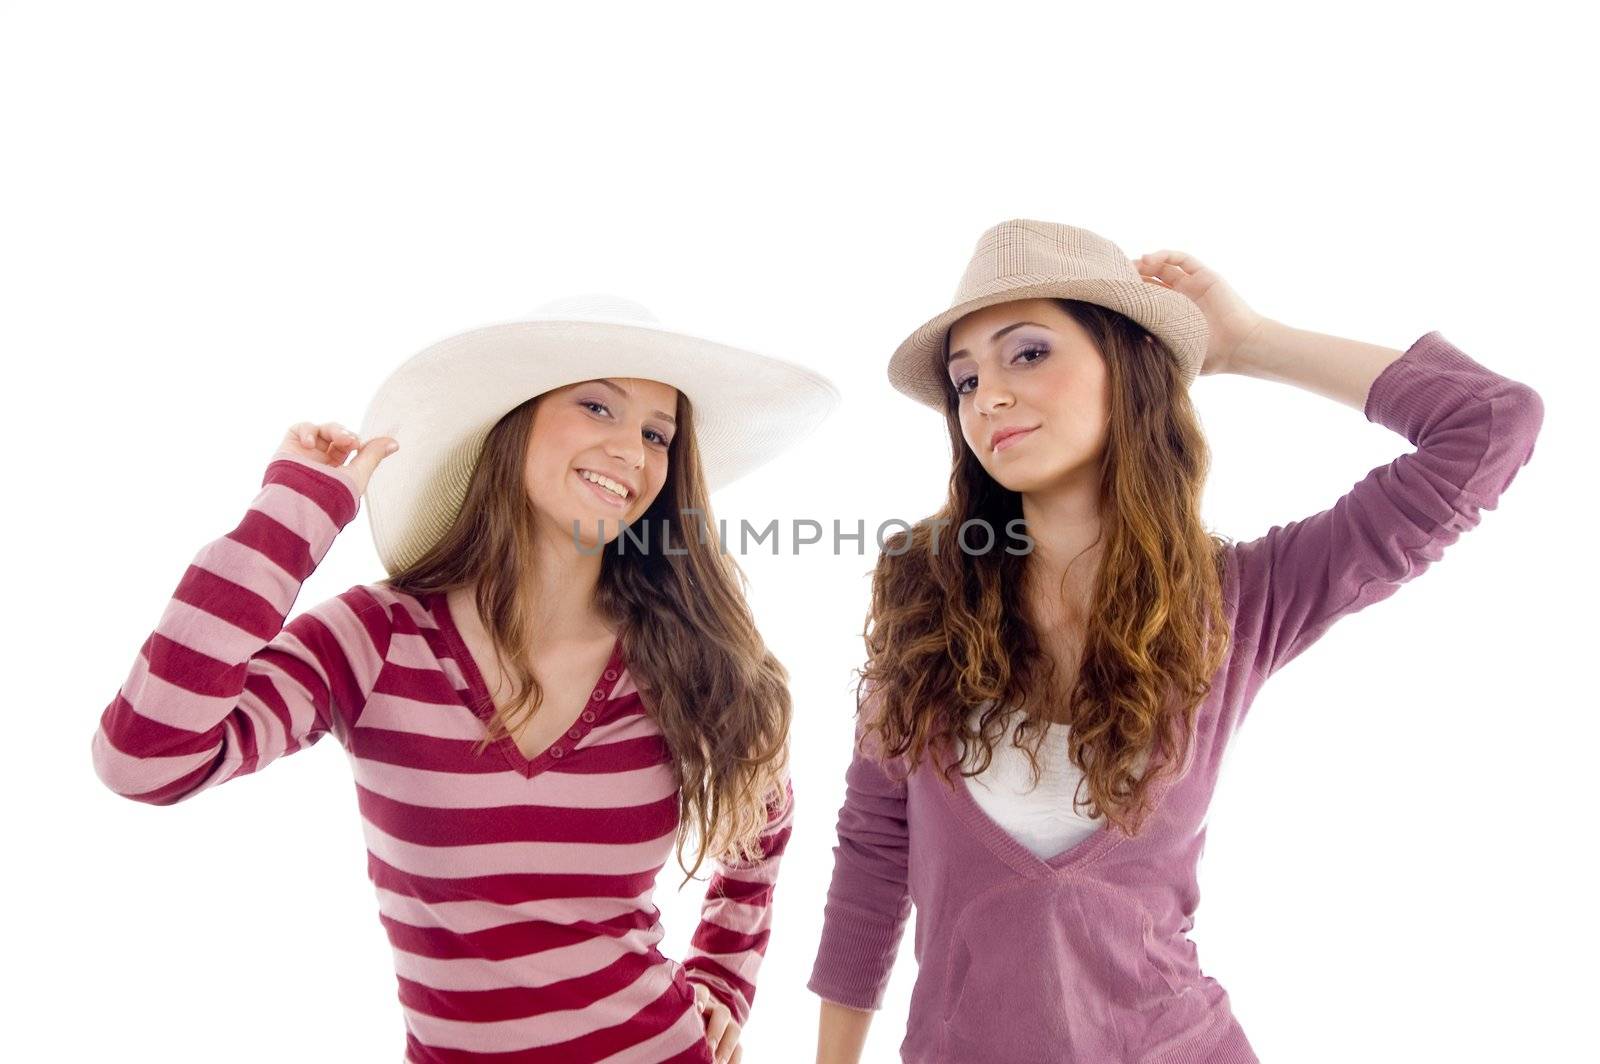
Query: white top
[[1041, 818]]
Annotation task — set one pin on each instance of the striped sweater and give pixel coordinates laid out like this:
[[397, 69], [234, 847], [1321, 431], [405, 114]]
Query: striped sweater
[[516, 894]]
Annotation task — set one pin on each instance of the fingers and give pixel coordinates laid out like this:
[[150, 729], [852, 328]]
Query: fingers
[[320, 437], [336, 441], [330, 438], [722, 1033], [1149, 267], [1181, 259], [372, 452], [330, 443], [1169, 268], [728, 1050]]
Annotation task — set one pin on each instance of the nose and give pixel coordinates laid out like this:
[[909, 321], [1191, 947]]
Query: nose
[[627, 446], [991, 396]]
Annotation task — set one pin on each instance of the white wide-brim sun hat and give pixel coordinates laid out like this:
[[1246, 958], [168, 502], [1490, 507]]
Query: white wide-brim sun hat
[[441, 403]]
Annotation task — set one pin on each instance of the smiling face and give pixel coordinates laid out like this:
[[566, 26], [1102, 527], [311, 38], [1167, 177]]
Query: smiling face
[[1028, 365], [597, 451]]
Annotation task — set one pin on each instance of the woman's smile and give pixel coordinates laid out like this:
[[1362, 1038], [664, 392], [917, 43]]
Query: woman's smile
[[1009, 437], [604, 494]]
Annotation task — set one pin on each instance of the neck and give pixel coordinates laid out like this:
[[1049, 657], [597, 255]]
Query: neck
[[563, 581], [1066, 527]]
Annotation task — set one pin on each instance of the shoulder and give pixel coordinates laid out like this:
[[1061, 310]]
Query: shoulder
[[381, 610], [405, 612]]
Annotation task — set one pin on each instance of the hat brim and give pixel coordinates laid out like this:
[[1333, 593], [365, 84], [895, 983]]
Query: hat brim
[[916, 368], [441, 403]]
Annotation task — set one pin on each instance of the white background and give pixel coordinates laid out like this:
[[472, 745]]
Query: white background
[[221, 219]]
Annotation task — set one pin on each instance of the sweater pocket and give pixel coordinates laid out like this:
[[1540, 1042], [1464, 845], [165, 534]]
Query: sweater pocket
[[1056, 970]]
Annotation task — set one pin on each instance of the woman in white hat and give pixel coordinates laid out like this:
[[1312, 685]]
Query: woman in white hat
[[536, 703], [1041, 724]]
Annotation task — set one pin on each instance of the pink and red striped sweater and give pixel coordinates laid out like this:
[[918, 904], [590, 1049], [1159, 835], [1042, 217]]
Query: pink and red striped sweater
[[516, 894]]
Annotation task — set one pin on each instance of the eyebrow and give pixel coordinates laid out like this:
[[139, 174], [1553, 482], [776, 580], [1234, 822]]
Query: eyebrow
[[998, 333], [623, 392]]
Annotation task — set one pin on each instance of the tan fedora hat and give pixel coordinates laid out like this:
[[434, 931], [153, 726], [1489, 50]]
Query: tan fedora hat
[[1027, 259], [441, 403]]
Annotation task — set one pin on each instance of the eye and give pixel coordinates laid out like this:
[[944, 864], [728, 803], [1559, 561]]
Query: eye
[[1026, 355], [651, 434]]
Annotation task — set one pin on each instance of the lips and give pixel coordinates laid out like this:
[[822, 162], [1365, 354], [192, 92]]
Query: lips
[[1004, 438], [603, 494], [633, 489]]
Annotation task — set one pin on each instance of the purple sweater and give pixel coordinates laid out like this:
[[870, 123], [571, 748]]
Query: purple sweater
[[1085, 957]]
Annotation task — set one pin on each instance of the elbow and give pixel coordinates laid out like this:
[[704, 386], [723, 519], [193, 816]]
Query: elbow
[[1530, 418], [129, 777], [1517, 416], [111, 770], [107, 761]]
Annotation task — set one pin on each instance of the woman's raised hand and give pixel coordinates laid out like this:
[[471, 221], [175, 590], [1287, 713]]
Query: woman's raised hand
[[330, 443], [1230, 318]]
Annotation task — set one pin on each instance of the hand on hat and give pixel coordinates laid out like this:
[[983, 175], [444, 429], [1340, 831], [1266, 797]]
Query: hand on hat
[[1230, 318], [329, 444]]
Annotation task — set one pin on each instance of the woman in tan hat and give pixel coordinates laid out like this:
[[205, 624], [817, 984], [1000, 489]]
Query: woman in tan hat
[[1040, 728], [558, 679]]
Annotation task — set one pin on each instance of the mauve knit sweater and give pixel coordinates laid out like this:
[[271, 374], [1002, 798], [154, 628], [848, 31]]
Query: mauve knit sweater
[[1085, 957]]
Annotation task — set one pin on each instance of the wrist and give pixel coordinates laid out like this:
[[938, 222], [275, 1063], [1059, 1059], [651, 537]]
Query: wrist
[[1251, 354]]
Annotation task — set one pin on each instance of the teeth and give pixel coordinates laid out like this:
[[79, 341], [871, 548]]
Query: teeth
[[605, 482]]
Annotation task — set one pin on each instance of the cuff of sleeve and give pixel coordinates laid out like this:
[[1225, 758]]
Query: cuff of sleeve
[[841, 1004], [1432, 375], [854, 960], [331, 489], [719, 991]]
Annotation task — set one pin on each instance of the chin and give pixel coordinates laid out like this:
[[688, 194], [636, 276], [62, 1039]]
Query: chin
[[1015, 477], [1020, 485], [1025, 480], [590, 533]]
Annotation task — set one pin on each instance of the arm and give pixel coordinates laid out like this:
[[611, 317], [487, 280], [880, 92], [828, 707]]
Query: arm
[[222, 688], [1473, 430], [841, 1033], [736, 917], [1331, 366], [868, 904]]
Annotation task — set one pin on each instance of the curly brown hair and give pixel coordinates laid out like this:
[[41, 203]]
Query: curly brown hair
[[947, 629], [718, 694]]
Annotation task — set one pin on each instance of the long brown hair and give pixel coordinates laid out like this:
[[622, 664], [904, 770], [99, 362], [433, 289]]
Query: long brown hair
[[718, 694], [947, 629]]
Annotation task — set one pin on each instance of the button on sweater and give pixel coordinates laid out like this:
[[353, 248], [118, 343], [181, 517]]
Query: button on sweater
[[516, 894], [1085, 957]]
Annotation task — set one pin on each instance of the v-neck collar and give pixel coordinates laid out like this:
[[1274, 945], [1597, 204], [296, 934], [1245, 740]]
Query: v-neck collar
[[1014, 853], [482, 703], [1109, 837]]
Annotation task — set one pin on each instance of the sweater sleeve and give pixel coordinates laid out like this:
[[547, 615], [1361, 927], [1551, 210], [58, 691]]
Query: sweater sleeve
[[222, 687], [1473, 430], [736, 918], [869, 898]]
